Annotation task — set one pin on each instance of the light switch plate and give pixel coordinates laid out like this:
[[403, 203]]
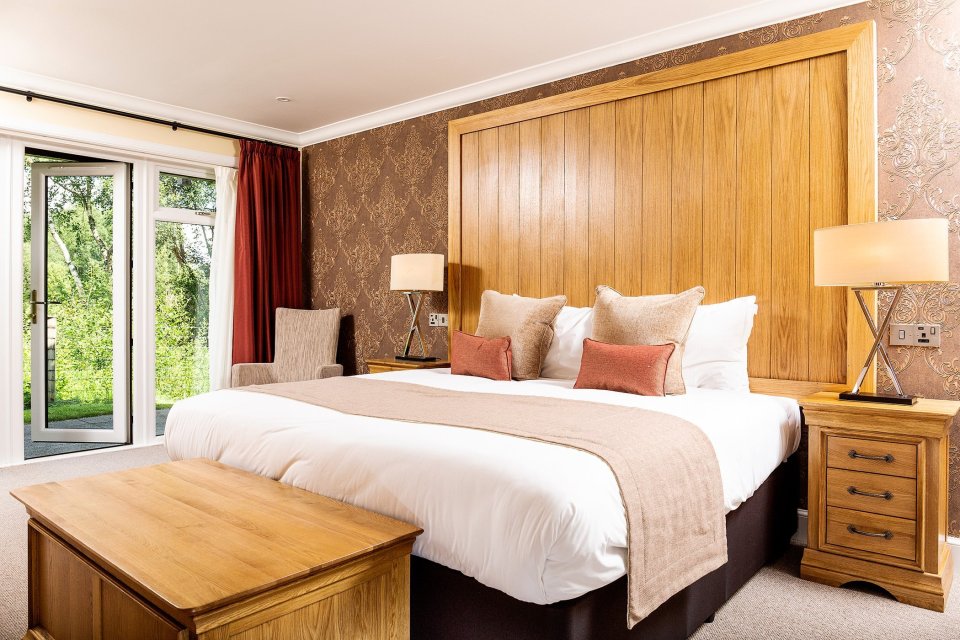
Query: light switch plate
[[915, 335], [439, 320]]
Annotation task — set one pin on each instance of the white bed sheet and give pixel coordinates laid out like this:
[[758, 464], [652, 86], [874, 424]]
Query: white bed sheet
[[540, 522]]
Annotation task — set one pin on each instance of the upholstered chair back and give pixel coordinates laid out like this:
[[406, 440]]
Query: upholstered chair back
[[306, 340]]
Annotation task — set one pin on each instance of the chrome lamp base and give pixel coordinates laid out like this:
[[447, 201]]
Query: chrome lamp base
[[880, 350], [415, 329]]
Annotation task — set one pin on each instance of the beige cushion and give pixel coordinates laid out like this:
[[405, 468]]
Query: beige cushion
[[527, 321], [648, 320]]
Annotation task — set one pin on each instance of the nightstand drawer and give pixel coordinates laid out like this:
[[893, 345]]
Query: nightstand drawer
[[895, 537], [872, 492], [873, 456]]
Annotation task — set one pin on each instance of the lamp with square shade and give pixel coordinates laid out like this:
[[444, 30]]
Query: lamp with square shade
[[413, 274], [881, 256]]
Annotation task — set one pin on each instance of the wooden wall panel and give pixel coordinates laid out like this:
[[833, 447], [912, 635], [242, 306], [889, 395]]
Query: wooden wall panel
[[657, 193], [509, 208], [791, 269], [530, 208], [828, 117], [754, 140], [713, 179], [552, 201], [603, 156], [470, 230], [576, 230], [686, 220], [629, 197], [720, 189], [489, 210]]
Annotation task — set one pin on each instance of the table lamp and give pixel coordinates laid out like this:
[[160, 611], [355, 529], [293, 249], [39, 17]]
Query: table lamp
[[881, 256], [413, 274]]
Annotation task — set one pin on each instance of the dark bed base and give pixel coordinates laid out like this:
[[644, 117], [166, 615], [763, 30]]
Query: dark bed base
[[447, 605]]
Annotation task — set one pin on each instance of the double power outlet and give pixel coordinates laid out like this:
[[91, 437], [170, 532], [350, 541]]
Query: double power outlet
[[439, 320], [916, 335]]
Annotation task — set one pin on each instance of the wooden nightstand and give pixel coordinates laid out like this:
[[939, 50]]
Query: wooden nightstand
[[878, 496], [382, 365]]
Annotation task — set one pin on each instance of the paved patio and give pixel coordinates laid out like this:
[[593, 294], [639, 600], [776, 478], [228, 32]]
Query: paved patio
[[33, 449]]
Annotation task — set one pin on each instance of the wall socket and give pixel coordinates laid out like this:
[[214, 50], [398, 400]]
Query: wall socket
[[916, 335], [439, 320]]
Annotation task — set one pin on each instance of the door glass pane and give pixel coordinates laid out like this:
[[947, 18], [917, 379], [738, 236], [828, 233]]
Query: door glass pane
[[80, 301], [182, 264]]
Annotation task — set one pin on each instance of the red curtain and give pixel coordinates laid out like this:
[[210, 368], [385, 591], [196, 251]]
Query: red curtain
[[268, 263]]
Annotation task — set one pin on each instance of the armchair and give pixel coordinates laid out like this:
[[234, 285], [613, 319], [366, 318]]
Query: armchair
[[306, 349]]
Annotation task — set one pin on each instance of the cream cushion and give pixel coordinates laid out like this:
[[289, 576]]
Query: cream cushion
[[651, 320], [527, 321]]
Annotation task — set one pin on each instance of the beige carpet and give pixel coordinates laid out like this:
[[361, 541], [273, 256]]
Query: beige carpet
[[775, 605], [13, 520]]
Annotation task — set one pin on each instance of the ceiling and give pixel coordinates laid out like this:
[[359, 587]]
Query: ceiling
[[346, 65]]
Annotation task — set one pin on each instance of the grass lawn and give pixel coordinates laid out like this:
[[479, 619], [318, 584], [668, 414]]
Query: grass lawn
[[72, 410]]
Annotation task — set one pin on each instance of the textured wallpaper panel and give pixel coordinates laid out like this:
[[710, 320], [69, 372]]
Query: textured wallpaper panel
[[384, 191]]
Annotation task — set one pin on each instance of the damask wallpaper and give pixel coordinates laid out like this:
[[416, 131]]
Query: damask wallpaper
[[384, 191]]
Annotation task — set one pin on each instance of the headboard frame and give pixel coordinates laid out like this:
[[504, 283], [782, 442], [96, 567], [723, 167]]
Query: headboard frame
[[715, 173]]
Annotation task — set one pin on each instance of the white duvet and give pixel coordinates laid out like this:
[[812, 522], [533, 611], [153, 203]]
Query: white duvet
[[539, 522]]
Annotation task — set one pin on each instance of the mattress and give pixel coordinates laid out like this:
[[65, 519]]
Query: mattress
[[540, 522]]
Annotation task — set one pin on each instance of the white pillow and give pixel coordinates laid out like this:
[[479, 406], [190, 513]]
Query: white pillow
[[715, 354], [571, 326]]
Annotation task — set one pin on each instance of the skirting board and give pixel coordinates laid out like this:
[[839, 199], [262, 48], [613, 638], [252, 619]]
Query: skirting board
[[800, 537]]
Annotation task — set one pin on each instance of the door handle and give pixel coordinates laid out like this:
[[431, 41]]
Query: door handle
[[34, 303]]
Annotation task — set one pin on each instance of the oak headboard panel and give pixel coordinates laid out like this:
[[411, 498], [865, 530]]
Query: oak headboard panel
[[714, 173]]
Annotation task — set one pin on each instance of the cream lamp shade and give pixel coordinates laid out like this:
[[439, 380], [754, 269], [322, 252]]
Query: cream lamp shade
[[416, 272], [894, 252]]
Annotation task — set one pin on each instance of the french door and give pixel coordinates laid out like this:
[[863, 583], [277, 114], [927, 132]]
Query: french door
[[79, 306]]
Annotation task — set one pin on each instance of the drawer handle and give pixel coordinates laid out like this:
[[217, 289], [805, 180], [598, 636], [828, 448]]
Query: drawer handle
[[860, 456], [886, 495], [886, 535]]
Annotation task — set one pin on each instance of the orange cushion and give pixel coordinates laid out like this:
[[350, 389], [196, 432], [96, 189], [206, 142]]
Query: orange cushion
[[639, 369], [483, 357]]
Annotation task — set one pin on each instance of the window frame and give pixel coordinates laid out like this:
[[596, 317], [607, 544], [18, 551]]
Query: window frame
[[149, 318]]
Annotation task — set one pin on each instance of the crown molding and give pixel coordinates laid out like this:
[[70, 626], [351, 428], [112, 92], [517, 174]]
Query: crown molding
[[752, 16], [758, 14], [124, 102]]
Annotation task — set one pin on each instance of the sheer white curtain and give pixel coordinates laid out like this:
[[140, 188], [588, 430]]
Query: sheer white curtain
[[221, 280]]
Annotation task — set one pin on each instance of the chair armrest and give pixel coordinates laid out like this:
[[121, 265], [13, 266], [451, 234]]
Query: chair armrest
[[330, 371], [252, 373]]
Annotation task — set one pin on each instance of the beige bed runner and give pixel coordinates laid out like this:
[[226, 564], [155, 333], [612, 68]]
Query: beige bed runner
[[667, 470]]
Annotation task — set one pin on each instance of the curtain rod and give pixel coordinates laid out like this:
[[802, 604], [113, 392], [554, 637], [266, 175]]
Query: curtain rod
[[173, 124]]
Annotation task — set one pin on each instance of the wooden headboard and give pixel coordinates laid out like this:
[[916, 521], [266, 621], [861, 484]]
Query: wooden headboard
[[713, 173]]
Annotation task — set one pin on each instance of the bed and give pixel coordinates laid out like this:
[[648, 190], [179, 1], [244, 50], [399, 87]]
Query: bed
[[536, 522]]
